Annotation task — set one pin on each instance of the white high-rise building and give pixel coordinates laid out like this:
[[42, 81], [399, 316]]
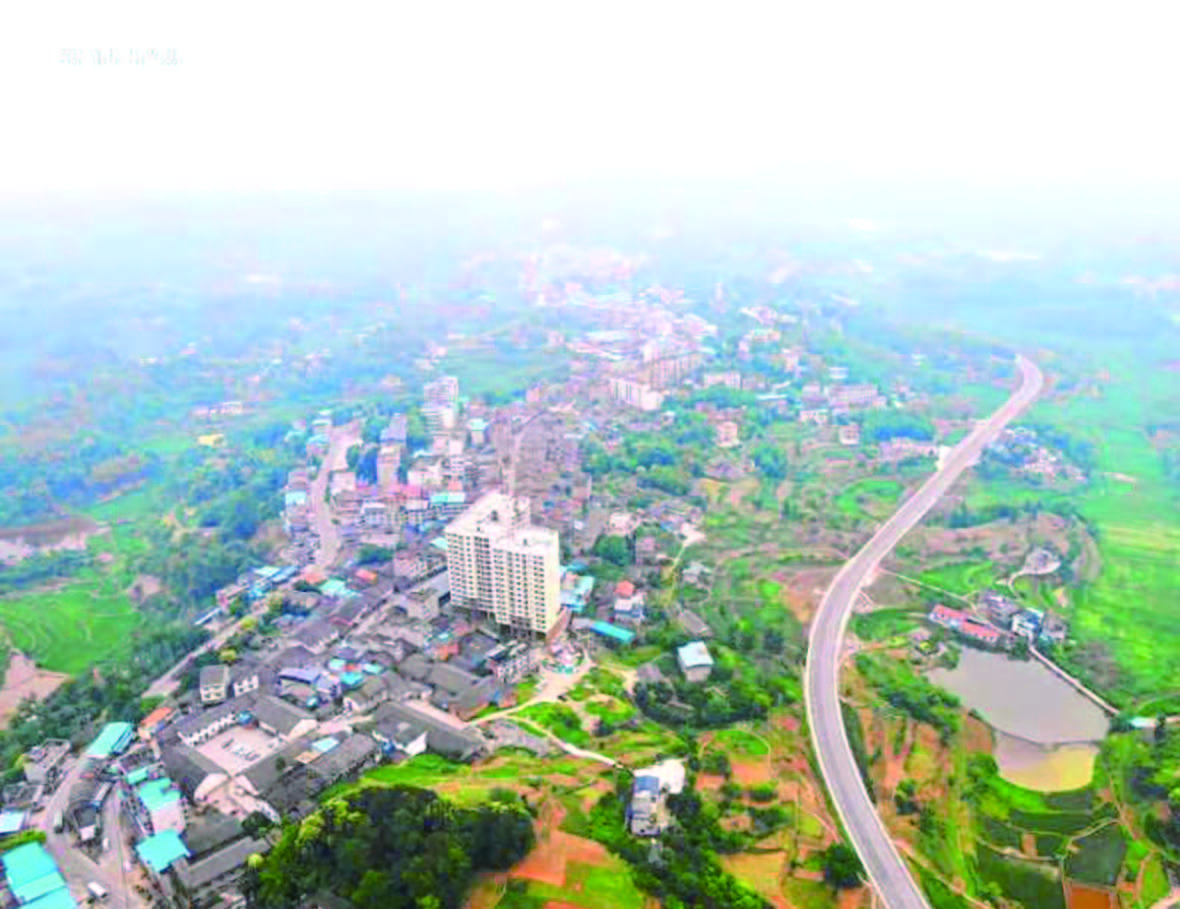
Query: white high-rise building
[[503, 566], [442, 392]]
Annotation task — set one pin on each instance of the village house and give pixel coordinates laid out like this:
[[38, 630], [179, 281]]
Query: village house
[[966, 626], [695, 661], [213, 684]]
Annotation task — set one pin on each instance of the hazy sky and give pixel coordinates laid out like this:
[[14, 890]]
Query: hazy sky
[[278, 95]]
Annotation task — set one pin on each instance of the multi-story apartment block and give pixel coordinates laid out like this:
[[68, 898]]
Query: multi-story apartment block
[[389, 460], [502, 565], [442, 391], [636, 394]]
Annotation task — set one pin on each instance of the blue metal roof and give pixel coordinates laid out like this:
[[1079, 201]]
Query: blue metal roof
[[607, 630], [161, 850], [112, 740]]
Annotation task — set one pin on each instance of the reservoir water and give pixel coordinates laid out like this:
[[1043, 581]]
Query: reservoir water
[[1045, 730]]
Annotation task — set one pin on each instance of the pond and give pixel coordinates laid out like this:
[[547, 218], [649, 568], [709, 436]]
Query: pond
[[1045, 730]]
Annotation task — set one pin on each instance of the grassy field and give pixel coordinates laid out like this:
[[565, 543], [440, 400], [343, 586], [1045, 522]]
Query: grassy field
[[869, 500], [586, 886], [741, 743], [1127, 614], [885, 624], [469, 784], [67, 630], [559, 719], [962, 578], [88, 618]]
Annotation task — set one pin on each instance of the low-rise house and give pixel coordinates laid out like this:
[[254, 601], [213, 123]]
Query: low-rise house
[[214, 684], [726, 434], [1000, 609], [1027, 623], [42, 764], [458, 691], [281, 719], [196, 775], [409, 730], [248, 675], [215, 876], [966, 626], [647, 813], [203, 725], [512, 662], [154, 722], [695, 661], [849, 434], [376, 690], [630, 610], [1053, 629], [421, 603], [317, 635]]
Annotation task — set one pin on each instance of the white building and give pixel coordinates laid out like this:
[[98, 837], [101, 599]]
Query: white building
[[443, 391], [695, 661], [636, 394], [502, 565]]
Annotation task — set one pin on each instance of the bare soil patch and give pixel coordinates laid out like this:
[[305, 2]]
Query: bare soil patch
[[805, 589], [18, 543], [752, 773], [1081, 896], [143, 587], [24, 680], [547, 862]]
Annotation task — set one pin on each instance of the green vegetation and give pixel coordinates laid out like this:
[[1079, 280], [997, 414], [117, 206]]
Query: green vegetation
[[885, 624], [67, 630], [384, 848], [869, 499], [1029, 883], [586, 886], [911, 693], [687, 870], [559, 719], [962, 578], [1098, 856], [742, 742]]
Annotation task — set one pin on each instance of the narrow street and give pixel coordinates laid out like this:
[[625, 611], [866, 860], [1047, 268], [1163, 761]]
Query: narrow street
[[111, 871], [343, 438]]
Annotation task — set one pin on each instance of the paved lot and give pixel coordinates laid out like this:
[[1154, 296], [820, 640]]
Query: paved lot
[[239, 748]]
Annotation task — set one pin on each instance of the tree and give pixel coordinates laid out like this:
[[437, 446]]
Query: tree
[[906, 797], [613, 549], [227, 655], [842, 867]]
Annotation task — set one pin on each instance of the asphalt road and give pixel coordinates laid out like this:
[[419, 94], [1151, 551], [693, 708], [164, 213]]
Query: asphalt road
[[884, 866], [329, 547]]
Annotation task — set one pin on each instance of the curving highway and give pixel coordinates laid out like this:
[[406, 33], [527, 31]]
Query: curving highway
[[886, 869]]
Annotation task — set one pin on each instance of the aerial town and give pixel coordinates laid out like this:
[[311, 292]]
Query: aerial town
[[415, 604]]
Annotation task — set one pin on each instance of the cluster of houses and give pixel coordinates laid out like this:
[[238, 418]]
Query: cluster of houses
[[267, 732], [1006, 622], [1021, 449]]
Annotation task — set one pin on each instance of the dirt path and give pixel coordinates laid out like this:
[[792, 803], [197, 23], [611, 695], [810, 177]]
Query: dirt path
[[24, 680]]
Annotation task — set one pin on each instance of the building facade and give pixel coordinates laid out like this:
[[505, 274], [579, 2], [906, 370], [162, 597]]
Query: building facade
[[502, 565]]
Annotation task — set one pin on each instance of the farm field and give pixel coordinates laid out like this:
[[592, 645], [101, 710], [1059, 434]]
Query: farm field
[[67, 630], [870, 500], [66, 626]]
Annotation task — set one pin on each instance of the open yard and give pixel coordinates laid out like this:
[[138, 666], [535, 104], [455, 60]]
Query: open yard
[[239, 747]]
